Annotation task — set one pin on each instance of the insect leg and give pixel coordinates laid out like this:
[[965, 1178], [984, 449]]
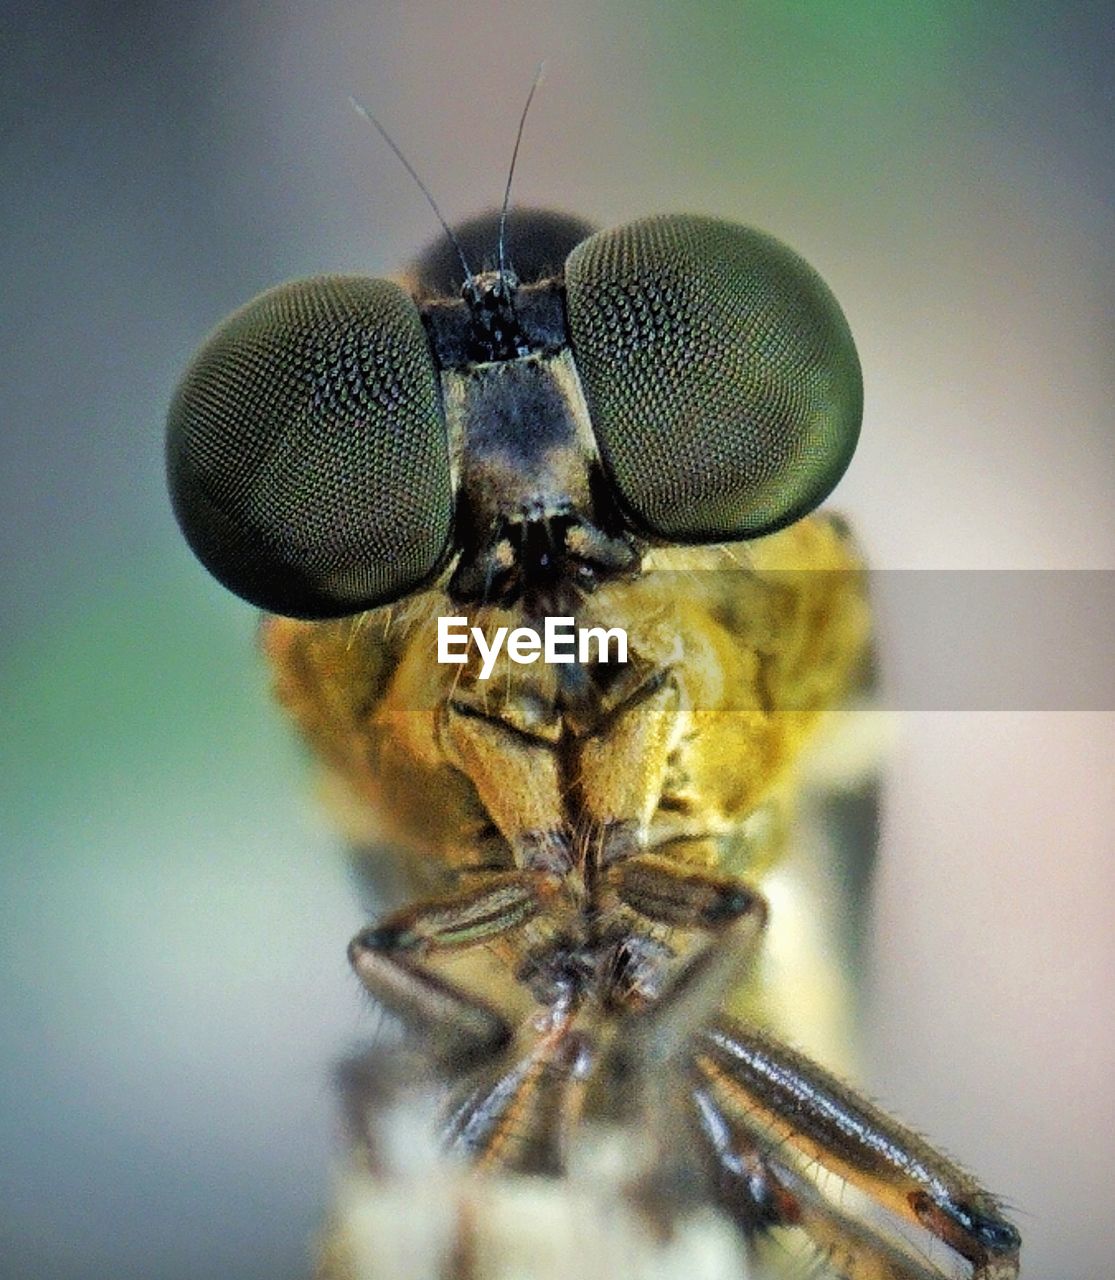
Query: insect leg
[[520, 1116], [759, 1194], [732, 915], [518, 782], [649, 1050], [803, 1119], [622, 770], [673, 889], [388, 958]]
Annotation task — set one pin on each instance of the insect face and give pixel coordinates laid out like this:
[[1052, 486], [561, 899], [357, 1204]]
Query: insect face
[[337, 442], [631, 427]]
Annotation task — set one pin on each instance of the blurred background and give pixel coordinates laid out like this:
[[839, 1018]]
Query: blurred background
[[173, 907]]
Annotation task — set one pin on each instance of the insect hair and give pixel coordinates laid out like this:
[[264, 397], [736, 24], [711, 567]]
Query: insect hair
[[501, 248], [362, 110]]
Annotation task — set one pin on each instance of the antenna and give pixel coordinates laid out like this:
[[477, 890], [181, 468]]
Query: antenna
[[360, 109], [511, 171]]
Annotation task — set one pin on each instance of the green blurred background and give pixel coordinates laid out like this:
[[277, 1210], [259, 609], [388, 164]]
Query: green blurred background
[[173, 909]]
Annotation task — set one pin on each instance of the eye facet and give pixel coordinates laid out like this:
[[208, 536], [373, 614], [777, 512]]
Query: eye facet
[[720, 374], [306, 449]]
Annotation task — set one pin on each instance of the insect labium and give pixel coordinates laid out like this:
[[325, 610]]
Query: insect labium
[[632, 428]]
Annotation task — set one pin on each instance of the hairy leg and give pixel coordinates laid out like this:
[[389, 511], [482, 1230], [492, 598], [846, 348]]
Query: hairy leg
[[757, 1099]]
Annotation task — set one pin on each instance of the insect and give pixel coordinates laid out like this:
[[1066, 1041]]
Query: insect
[[631, 428]]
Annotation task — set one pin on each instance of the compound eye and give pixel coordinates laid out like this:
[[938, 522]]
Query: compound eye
[[720, 374], [306, 449]]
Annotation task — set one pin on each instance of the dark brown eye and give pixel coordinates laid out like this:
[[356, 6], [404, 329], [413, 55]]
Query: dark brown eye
[[306, 449], [720, 374]]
